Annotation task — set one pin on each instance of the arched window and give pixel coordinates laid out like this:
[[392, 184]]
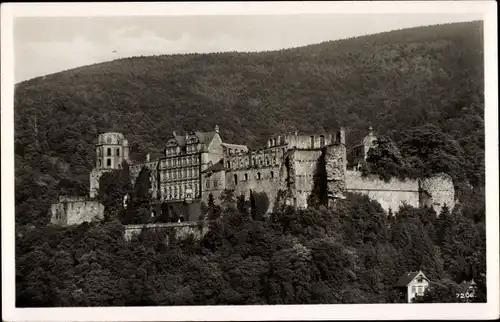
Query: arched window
[[117, 152], [235, 179], [109, 152], [272, 174], [274, 142], [321, 141], [108, 139], [98, 152], [215, 183], [258, 175]]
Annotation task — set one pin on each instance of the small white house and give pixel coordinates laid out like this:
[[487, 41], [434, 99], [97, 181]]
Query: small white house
[[412, 284]]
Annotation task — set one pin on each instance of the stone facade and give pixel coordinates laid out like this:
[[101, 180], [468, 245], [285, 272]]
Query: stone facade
[[69, 211], [182, 230]]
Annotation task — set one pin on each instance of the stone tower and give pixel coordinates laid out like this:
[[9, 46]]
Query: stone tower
[[111, 150], [336, 167]]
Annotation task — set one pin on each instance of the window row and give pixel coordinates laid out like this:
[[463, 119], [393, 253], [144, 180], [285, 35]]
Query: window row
[[108, 163], [177, 150], [255, 162], [258, 176], [180, 192], [179, 174], [234, 151], [181, 161], [109, 152]]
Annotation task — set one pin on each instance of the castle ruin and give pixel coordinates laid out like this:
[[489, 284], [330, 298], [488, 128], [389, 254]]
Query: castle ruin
[[195, 165]]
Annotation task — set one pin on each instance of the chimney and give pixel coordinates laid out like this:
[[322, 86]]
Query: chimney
[[174, 134], [147, 157], [217, 128]]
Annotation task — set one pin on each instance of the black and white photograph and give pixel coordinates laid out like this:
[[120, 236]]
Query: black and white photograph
[[249, 161]]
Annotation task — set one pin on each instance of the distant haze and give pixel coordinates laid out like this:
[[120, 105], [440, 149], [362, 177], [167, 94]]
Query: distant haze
[[46, 45]]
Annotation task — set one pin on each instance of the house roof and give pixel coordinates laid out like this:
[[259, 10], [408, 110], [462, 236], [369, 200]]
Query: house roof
[[219, 166], [406, 279], [204, 138]]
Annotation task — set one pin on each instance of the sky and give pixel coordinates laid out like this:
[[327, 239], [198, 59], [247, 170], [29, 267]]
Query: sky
[[46, 45]]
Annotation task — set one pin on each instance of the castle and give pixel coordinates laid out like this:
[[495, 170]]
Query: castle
[[195, 165]]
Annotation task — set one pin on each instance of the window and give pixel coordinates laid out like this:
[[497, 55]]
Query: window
[[117, 152], [228, 164], [413, 289], [109, 152], [99, 162], [235, 179], [246, 177], [98, 152], [321, 141], [272, 174], [215, 183], [174, 162], [230, 151], [108, 139], [312, 142], [420, 289], [174, 174], [267, 161], [207, 184], [108, 162], [274, 142]]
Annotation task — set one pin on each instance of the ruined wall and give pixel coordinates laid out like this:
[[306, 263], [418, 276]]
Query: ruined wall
[[437, 191], [95, 176], [390, 195], [269, 181], [213, 183], [182, 230], [335, 169], [303, 167], [68, 212]]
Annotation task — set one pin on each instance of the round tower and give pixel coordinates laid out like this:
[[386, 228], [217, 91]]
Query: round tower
[[111, 150]]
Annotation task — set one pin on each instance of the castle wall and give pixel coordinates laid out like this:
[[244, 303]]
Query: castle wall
[[182, 230], [75, 211], [439, 190], [213, 183], [390, 195], [304, 168], [335, 171], [95, 176], [265, 179]]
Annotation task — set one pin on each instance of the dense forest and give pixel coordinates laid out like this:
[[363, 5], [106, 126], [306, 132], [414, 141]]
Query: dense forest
[[352, 254], [421, 89]]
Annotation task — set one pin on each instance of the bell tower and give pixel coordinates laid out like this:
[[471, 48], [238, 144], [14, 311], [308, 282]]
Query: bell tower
[[111, 150]]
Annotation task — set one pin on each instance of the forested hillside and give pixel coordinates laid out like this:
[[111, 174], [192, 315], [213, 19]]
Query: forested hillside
[[422, 91], [392, 81]]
